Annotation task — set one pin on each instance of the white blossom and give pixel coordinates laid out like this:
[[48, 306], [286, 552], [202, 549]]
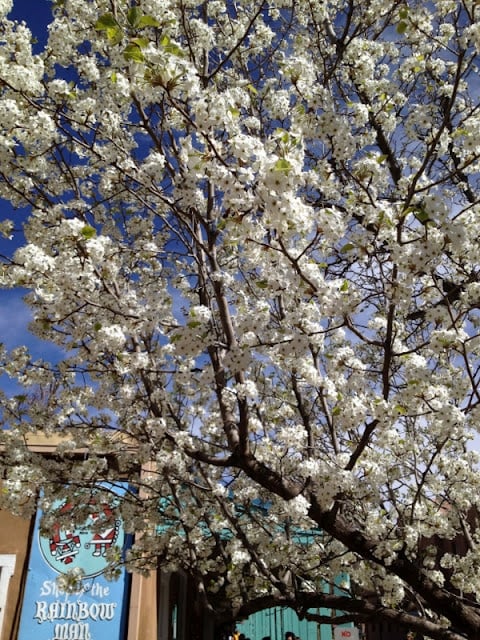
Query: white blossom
[[251, 235]]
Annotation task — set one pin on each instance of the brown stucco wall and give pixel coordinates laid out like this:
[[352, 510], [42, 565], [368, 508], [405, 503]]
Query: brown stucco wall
[[14, 539]]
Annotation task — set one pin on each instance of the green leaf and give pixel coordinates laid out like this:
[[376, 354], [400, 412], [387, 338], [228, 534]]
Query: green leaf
[[114, 35], [283, 135], [134, 15], [347, 247], [402, 27], [88, 232], [403, 13], [170, 47], [97, 326], [134, 53], [344, 286], [141, 42], [283, 165], [336, 411], [262, 284], [422, 216], [113, 76], [112, 29], [107, 21], [147, 21]]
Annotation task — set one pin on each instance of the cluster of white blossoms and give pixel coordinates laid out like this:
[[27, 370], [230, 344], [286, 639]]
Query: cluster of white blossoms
[[252, 233]]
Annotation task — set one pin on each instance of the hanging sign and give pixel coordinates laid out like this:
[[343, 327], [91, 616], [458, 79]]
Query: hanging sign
[[95, 612]]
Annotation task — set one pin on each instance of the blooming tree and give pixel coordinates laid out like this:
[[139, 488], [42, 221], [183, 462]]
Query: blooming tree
[[253, 235]]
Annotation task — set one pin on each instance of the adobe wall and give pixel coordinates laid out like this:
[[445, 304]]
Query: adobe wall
[[14, 539]]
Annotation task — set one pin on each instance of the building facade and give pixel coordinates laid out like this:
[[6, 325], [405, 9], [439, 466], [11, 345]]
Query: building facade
[[160, 606], [275, 623]]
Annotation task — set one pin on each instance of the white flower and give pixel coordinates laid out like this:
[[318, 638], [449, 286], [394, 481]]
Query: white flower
[[5, 7], [200, 313], [33, 258], [111, 338]]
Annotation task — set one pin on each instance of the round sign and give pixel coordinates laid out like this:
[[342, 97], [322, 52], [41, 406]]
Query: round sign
[[84, 547]]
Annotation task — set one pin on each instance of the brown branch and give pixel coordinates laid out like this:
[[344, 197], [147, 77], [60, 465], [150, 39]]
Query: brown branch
[[462, 616], [237, 45], [359, 609]]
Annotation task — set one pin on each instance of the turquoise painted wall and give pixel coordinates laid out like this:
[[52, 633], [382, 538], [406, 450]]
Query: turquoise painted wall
[[275, 622]]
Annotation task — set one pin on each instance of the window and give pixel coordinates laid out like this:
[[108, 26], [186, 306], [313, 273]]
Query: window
[[7, 565]]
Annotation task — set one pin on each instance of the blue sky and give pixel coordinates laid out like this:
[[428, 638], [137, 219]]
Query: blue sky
[[36, 13]]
